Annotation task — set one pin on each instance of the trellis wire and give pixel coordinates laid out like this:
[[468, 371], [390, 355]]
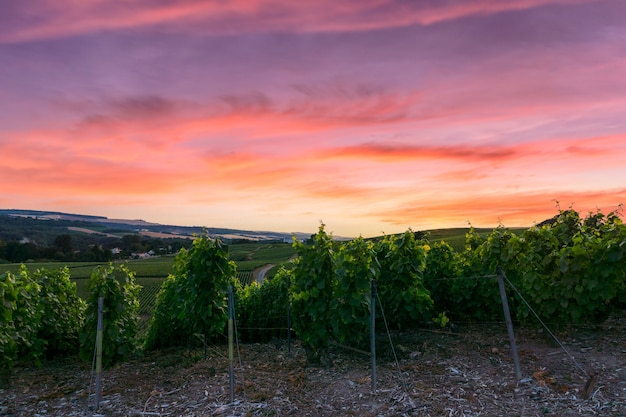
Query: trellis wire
[[393, 349], [151, 292], [556, 339], [97, 357], [475, 277]]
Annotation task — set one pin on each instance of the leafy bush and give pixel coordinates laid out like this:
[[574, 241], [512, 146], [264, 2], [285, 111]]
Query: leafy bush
[[193, 299], [40, 315], [312, 292], [443, 266], [574, 269], [166, 328], [62, 312], [357, 266], [262, 308], [401, 289], [477, 296], [9, 294], [121, 307], [27, 314]]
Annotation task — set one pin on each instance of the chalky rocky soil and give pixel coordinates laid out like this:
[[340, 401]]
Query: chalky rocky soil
[[467, 371]]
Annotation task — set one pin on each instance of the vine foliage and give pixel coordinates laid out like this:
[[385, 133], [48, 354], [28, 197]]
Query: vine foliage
[[193, 299], [312, 293], [40, 315], [357, 266], [401, 290], [121, 314]]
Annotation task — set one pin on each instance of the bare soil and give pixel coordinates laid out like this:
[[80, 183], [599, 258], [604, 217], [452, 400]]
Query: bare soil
[[467, 371]]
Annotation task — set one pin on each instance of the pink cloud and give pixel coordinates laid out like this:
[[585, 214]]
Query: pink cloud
[[399, 152], [54, 19], [605, 147]]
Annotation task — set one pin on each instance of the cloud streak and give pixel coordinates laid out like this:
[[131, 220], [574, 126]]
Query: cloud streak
[[64, 18], [510, 209]]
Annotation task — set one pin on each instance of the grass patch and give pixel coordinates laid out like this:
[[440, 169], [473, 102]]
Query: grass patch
[[250, 256]]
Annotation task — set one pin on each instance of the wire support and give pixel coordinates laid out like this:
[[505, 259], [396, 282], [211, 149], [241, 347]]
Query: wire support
[[243, 379], [474, 277], [393, 349], [91, 377], [556, 339]]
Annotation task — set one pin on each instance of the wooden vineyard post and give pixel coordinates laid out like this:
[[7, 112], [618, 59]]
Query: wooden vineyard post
[[99, 349], [288, 316], [509, 323], [373, 333], [231, 373]]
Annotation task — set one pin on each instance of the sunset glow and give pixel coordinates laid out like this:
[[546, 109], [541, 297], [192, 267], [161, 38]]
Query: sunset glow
[[372, 116]]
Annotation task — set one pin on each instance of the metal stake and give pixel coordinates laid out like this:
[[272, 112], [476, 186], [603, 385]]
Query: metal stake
[[509, 323]]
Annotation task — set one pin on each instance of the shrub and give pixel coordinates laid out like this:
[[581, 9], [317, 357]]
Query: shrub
[[262, 308], [312, 292], [477, 297], [121, 307], [574, 268], [193, 299], [62, 312], [40, 315], [442, 268], [26, 317], [401, 290], [8, 347], [357, 266]]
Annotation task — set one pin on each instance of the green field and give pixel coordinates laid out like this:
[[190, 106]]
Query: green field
[[250, 256], [153, 267]]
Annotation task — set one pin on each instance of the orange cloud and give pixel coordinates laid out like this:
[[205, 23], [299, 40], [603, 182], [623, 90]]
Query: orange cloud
[[404, 152], [509, 209], [592, 147]]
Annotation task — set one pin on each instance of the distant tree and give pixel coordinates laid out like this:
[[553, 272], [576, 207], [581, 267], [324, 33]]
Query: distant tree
[[21, 252], [64, 243], [132, 243], [96, 253], [177, 244], [155, 245]]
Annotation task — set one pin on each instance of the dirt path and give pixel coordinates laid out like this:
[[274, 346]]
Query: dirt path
[[259, 274]]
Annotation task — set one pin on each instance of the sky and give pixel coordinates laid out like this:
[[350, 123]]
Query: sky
[[371, 116]]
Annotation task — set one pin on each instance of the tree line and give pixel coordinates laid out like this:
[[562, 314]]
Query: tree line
[[68, 247]]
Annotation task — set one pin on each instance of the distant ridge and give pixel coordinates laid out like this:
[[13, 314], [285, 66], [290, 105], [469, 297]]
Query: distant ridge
[[148, 228], [49, 214]]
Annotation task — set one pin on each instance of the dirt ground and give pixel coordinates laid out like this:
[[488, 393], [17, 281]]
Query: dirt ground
[[467, 371]]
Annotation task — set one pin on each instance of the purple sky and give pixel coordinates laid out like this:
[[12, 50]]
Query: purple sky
[[372, 116]]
